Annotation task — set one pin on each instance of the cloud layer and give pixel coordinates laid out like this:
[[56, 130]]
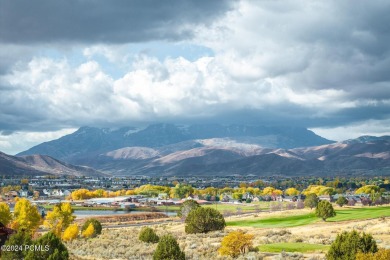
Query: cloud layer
[[90, 21], [322, 65]]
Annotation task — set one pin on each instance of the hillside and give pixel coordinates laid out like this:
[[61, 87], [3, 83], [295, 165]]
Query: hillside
[[41, 165]]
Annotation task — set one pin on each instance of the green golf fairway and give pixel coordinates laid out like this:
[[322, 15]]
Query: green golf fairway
[[305, 219], [293, 247]]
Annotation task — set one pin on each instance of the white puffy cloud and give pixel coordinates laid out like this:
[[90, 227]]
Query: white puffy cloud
[[345, 132], [19, 141]]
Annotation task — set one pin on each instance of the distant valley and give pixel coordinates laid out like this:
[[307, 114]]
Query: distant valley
[[174, 150]]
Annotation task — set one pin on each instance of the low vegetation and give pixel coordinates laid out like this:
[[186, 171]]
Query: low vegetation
[[121, 243], [167, 249], [381, 254], [148, 235], [293, 247]]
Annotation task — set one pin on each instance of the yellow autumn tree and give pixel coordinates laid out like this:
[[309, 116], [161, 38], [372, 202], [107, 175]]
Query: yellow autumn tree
[[130, 192], [89, 232], [291, 192], [5, 214], [80, 194], [367, 189], [236, 243], [318, 190], [272, 191], [26, 216], [59, 218], [71, 232]]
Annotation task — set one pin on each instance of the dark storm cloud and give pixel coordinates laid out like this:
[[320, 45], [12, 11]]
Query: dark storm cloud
[[117, 21]]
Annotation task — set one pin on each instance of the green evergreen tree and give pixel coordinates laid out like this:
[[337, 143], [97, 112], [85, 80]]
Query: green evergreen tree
[[19, 240], [186, 207], [341, 201], [348, 244], [203, 220], [168, 249], [96, 225], [325, 210], [311, 201], [148, 235], [48, 247]]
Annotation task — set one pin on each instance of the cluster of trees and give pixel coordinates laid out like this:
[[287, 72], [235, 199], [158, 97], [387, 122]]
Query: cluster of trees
[[82, 194], [49, 246], [26, 219], [181, 191], [319, 190]]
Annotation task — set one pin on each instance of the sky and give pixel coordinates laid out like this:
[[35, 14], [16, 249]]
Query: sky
[[324, 65]]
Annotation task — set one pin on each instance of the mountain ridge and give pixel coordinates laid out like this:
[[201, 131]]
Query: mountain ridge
[[167, 149], [33, 165], [93, 141]]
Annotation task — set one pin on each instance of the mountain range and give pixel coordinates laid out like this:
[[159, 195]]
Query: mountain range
[[196, 150]]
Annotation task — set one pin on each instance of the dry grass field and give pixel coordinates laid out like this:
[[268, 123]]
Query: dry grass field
[[123, 243]]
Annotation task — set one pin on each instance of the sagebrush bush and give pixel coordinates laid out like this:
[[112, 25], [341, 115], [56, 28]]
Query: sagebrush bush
[[148, 235], [382, 254], [167, 249]]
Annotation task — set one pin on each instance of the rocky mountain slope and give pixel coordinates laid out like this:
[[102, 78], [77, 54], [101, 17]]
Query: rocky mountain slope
[[218, 150], [33, 165], [225, 157]]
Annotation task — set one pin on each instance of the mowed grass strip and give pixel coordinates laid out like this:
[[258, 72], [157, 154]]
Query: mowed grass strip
[[290, 221], [293, 247], [360, 213], [305, 219]]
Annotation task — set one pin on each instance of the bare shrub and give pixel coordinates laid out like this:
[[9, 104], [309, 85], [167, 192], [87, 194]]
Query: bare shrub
[[300, 205], [290, 206], [276, 206]]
